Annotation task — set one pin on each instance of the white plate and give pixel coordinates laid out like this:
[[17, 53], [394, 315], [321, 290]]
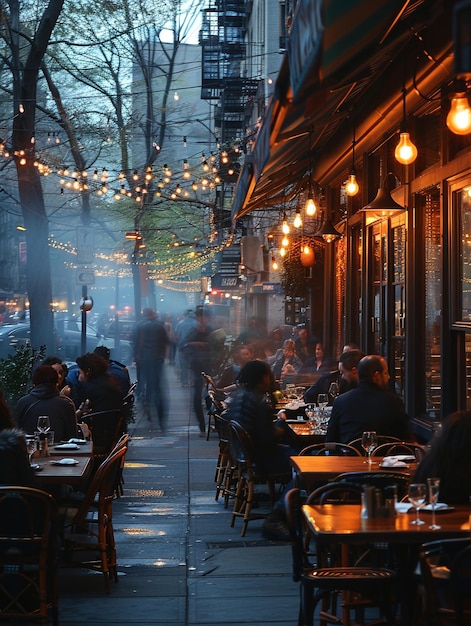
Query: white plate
[[65, 462], [67, 446]]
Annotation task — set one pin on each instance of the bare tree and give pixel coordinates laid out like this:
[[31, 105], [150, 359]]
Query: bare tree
[[26, 34]]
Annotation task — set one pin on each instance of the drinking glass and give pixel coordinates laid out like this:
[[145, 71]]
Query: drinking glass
[[433, 489], [43, 425], [322, 400], [417, 494], [334, 390], [369, 441], [310, 411], [299, 393], [31, 446]]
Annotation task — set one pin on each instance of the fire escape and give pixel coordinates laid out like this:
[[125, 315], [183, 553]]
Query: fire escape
[[222, 40]]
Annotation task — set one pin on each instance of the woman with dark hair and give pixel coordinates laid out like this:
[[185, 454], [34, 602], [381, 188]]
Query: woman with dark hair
[[97, 385], [449, 459], [62, 370], [14, 463]]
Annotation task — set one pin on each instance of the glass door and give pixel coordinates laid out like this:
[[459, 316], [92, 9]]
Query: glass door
[[386, 297]]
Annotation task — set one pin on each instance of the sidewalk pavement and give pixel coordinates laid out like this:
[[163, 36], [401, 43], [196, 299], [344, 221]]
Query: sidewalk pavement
[[179, 561]]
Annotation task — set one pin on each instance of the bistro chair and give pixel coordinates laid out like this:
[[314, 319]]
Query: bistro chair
[[28, 560], [380, 480], [122, 442], [91, 528], [249, 475], [330, 448], [446, 576], [223, 463], [401, 447], [323, 582], [215, 406], [356, 443]]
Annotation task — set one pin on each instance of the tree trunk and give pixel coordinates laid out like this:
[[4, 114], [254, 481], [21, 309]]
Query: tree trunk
[[30, 192], [38, 269]]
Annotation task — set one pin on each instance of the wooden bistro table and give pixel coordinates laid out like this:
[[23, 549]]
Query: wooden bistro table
[[52, 473], [341, 523], [311, 470]]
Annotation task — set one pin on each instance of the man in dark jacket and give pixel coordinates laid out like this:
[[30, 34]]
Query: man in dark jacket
[[150, 341], [45, 399], [369, 407]]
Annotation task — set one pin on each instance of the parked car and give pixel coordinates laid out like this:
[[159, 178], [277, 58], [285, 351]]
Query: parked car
[[68, 341], [69, 334], [12, 336]]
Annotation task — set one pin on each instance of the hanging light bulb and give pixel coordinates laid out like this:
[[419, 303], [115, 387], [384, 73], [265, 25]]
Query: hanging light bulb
[[458, 119], [406, 151], [274, 264], [285, 227], [310, 207], [176, 97], [285, 242], [351, 186], [282, 252], [297, 222]]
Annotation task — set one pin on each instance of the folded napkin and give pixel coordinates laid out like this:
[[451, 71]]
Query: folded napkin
[[294, 405], [392, 461], [67, 446], [65, 462], [406, 507], [438, 506]]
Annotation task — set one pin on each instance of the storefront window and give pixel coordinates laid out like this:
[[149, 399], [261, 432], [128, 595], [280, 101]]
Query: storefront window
[[432, 305], [465, 256]]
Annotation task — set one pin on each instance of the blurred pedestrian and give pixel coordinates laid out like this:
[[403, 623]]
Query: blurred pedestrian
[[197, 346], [150, 342], [182, 330]]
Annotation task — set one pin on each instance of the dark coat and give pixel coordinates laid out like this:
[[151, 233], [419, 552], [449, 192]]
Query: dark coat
[[150, 340], [103, 392], [255, 415], [14, 464], [46, 400], [368, 407]]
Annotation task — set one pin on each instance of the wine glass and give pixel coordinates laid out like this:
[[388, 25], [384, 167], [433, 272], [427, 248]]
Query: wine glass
[[369, 441], [322, 400], [433, 489], [43, 425], [417, 494], [334, 390]]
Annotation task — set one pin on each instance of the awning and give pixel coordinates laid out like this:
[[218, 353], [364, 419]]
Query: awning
[[331, 46]]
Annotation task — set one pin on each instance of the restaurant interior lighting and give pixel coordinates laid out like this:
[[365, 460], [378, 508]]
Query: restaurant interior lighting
[[297, 222], [405, 152], [458, 119]]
